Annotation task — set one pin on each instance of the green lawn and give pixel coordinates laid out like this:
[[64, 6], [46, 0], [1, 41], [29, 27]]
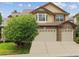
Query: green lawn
[[9, 48]]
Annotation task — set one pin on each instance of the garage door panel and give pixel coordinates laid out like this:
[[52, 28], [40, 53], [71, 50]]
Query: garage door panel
[[67, 35], [46, 35]]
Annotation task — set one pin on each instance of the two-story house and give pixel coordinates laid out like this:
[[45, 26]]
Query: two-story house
[[53, 23]]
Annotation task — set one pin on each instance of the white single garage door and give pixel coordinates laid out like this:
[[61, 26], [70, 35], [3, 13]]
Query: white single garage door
[[46, 35], [67, 34]]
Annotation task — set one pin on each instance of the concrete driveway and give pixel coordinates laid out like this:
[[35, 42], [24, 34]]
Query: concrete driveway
[[50, 48]]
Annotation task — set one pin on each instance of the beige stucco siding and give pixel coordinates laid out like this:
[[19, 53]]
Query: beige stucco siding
[[75, 20], [53, 9], [66, 17], [50, 18]]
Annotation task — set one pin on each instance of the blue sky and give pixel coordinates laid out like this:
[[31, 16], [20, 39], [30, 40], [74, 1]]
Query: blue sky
[[7, 7]]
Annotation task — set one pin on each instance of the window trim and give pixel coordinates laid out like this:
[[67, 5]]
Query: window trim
[[38, 17]]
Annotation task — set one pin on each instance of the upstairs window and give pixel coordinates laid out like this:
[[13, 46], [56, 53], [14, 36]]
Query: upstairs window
[[59, 17], [41, 17]]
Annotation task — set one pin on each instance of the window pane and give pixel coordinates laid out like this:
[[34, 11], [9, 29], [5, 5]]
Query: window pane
[[42, 17], [59, 17], [46, 17]]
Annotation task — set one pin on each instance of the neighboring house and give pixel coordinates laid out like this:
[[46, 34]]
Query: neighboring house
[[14, 14], [24, 12], [75, 18], [53, 23], [71, 19]]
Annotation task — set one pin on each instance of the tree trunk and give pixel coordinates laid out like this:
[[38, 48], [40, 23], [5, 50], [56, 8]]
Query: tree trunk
[[23, 45]]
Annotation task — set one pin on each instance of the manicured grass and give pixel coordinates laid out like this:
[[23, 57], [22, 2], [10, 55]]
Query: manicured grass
[[9, 48]]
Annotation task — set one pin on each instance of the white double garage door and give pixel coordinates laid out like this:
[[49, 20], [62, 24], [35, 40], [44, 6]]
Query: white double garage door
[[51, 35]]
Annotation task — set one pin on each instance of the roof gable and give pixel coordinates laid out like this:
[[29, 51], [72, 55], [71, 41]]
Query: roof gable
[[76, 15], [68, 22], [53, 8], [41, 10]]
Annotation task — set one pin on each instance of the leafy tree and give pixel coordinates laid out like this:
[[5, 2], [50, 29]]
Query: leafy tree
[[15, 11], [0, 18], [77, 20], [77, 31], [9, 16], [21, 29], [0, 23]]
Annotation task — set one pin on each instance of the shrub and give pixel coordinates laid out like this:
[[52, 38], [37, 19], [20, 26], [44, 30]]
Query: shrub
[[77, 40], [77, 31], [21, 29]]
